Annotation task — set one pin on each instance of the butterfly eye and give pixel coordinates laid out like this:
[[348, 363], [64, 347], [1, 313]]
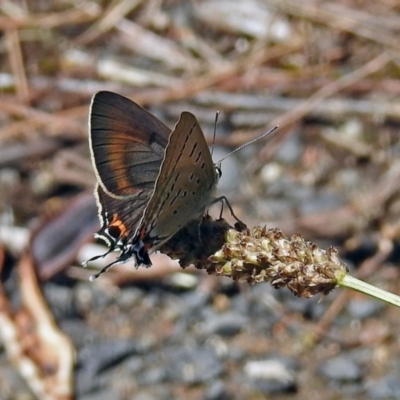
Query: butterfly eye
[[218, 171]]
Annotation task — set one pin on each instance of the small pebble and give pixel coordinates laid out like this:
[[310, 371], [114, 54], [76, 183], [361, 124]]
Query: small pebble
[[341, 369]]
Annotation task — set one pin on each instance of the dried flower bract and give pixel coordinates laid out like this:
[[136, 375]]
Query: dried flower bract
[[257, 255]]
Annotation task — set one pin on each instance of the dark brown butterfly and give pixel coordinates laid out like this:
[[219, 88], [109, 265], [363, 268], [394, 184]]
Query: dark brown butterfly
[[151, 181]]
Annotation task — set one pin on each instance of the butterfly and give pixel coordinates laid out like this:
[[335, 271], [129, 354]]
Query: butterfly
[[151, 181]]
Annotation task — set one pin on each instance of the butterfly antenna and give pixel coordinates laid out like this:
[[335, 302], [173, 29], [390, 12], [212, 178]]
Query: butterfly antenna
[[248, 143], [215, 131]]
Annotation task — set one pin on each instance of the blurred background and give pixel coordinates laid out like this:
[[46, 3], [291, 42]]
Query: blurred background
[[326, 72]]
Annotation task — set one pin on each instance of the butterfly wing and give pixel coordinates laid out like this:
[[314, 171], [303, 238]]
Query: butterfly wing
[[127, 144], [184, 186], [119, 220]]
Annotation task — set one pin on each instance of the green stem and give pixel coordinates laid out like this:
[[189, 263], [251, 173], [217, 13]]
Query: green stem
[[354, 283]]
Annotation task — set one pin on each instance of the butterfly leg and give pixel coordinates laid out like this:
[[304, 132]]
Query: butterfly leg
[[199, 234], [222, 210], [223, 199]]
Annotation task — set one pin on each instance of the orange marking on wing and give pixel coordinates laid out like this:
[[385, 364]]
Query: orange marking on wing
[[142, 235], [116, 223], [142, 232], [117, 163]]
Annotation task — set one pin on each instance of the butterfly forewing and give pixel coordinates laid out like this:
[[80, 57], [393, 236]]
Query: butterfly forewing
[[127, 145], [185, 184]]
